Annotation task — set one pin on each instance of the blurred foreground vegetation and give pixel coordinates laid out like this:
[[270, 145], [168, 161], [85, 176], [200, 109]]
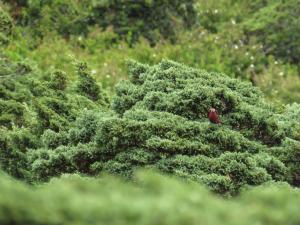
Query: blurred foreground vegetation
[[152, 199], [92, 87]]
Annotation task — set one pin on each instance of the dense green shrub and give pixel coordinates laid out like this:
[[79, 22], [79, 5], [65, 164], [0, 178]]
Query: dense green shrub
[[160, 121], [289, 121], [13, 147], [37, 110], [289, 152]]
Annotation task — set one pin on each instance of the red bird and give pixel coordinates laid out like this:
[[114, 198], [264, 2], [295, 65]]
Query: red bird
[[213, 116]]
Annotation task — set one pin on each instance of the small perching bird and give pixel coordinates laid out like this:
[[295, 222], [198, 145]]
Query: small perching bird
[[213, 116]]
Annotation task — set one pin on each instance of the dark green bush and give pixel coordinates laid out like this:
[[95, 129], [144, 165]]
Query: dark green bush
[[158, 120], [84, 128], [289, 121], [37, 110], [11, 109], [13, 147]]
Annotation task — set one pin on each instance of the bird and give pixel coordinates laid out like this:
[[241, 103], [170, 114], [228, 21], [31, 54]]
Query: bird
[[213, 116]]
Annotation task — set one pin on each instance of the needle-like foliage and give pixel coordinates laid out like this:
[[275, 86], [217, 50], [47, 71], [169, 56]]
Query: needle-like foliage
[[159, 120]]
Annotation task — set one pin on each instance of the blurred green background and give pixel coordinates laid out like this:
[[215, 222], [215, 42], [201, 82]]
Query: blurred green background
[[250, 40]]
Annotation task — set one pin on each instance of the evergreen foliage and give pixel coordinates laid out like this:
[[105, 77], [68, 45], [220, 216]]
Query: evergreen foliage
[[86, 84], [160, 121], [37, 111]]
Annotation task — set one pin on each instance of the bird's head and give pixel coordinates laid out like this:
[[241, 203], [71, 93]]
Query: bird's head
[[212, 110]]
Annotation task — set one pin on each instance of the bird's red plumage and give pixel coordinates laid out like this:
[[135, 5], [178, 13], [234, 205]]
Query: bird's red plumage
[[213, 116]]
